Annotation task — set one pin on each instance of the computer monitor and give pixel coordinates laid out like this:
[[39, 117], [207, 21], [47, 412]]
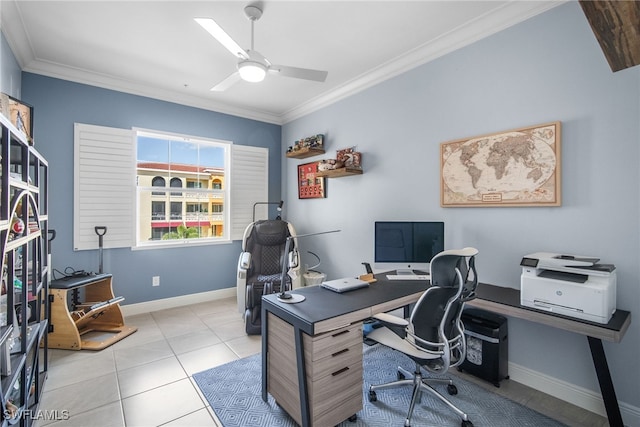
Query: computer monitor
[[406, 245]]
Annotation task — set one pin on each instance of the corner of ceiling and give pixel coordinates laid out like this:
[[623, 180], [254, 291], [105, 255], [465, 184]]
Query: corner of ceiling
[[493, 22]]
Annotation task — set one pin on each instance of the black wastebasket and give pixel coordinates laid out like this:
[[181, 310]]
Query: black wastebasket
[[487, 346]]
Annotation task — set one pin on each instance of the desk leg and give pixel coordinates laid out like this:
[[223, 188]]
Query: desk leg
[[606, 384], [302, 379], [265, 330]]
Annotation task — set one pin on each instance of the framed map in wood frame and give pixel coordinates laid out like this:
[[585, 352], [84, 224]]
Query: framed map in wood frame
[[519, 167], [310, 186]]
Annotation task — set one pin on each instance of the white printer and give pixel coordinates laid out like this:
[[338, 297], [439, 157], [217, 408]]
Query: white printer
[[571, 285]]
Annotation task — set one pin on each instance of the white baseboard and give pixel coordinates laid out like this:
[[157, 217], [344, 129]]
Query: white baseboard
[[584, 398], [165, 303]]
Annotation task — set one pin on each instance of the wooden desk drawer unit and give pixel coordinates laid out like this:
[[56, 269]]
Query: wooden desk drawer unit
[[334, 371]]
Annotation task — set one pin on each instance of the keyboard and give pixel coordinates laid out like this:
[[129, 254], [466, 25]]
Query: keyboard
[[407, 276]]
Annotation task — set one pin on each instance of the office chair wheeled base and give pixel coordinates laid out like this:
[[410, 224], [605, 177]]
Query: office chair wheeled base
[[420, 384]]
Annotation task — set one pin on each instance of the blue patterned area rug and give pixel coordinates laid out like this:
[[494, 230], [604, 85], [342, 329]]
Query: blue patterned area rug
[[234, 393]]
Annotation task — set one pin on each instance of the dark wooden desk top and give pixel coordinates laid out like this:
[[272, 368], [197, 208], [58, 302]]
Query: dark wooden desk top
[[507, 301], [78, 281], [322, 304]]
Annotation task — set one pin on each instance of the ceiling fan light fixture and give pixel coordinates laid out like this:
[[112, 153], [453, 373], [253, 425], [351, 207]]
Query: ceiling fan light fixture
[[252, 71]]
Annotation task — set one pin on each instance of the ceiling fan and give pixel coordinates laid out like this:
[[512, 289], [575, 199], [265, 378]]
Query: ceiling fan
[[252, 65]]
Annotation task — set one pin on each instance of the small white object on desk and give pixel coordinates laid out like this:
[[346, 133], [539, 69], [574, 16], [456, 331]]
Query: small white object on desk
[[407, 276], [344, 285]]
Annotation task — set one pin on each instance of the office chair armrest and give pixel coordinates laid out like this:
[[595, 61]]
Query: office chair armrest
[[244, 262], [391, 319]]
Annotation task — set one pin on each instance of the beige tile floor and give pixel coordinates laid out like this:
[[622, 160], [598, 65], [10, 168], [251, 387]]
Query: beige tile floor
[[146, 379]]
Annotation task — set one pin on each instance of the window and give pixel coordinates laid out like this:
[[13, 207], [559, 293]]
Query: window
[[196, 207], [176, 183], [157, 181], [176, 209], [192, 164], [110, 184], [157, 210]]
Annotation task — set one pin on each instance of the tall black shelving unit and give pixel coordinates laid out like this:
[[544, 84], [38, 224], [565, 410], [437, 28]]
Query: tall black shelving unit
[[24, 308]]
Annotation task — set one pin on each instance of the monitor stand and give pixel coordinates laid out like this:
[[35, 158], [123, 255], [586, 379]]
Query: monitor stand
[[404, 271]]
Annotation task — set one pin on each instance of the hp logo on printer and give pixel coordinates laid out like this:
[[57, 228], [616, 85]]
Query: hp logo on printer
[[559, 293]]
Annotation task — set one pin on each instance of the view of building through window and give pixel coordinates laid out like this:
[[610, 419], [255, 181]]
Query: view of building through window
[[198, 167]]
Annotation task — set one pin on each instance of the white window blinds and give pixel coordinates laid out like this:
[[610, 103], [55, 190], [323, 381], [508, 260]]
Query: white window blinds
[[105, 180], [104, 186], [249, 184]]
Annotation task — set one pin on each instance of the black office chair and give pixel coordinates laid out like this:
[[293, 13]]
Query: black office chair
[[260, 267], [433, 337]]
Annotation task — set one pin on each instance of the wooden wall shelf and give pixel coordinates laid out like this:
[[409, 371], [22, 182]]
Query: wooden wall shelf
[[336, 173], [305, 152]]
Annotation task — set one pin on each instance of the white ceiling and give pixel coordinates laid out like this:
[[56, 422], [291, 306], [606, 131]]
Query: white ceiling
[[156, 49]]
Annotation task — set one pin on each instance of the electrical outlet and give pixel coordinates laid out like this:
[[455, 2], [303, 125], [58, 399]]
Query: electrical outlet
[[155, 281]]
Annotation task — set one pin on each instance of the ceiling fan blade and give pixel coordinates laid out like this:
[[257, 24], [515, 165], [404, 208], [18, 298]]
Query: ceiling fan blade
[[299, 73], [216, 31], [227, 83]]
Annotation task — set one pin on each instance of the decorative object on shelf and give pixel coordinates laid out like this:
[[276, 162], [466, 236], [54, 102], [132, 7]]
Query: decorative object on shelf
[[520, 167], [312, 142], [310, 186], [19, 113], [348, 161], [329, 164], [17, 227], [349, 157]]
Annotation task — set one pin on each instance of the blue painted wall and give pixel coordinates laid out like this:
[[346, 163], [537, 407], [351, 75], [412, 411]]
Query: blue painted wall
[[58, 104], [10, 72], [549, 68]]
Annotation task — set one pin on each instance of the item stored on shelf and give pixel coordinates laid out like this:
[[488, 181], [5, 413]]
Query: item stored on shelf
[[316, 141]]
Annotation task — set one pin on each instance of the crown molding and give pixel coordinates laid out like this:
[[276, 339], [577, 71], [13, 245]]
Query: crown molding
[[108, 82]]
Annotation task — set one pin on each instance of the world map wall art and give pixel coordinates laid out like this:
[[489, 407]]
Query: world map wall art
[[520, 167]]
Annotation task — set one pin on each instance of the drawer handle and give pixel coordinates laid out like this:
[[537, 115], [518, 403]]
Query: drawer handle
[[345, 369], [340, 333], [339, 352]]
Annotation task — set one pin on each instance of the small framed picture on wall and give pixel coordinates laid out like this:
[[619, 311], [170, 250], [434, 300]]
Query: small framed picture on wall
[[310, 186], [19, 113]]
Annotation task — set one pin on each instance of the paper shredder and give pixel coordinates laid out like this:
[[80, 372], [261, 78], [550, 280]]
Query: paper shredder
[[487, 346]]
